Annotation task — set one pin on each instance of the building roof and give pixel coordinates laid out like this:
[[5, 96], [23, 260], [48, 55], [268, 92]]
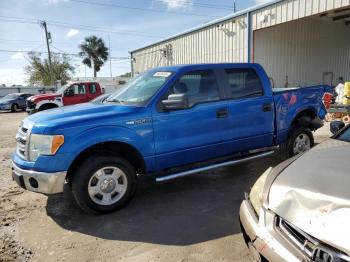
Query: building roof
[[214, 22]]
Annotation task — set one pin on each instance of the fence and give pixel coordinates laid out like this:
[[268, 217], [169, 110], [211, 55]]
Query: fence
[[25, 89]]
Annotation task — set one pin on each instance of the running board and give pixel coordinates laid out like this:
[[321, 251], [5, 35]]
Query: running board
[[214, 166]]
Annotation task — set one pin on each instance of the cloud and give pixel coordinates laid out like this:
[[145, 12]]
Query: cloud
[[53, 2], [18, 56], [262, 1], [72, 32], [10, 76], [178, 4]]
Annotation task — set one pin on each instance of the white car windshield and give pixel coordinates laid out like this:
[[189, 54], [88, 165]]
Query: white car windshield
[[141, 88]]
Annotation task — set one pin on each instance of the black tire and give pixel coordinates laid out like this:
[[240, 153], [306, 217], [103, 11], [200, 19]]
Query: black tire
[[15, 108], [287, 148], [85, 172]]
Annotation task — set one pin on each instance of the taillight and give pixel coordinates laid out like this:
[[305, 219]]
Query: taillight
[[327, 99]]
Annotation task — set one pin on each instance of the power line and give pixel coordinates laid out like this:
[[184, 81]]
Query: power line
[[20, 40], [76, 26], [57, 53], [203, 5], [139, 8], [37, 41]]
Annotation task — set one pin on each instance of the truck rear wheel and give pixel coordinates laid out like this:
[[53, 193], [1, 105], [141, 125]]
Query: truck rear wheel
[[103, 184], [299, 141]]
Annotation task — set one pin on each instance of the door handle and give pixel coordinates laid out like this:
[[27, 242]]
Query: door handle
[[221, 113], [266, 107]]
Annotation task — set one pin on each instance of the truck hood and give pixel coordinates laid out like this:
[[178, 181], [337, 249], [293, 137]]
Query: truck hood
[[313, 193], [88, 114], [41, 97]]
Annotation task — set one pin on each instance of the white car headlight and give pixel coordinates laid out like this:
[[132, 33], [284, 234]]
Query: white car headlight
[[256, 193], [44, 145]]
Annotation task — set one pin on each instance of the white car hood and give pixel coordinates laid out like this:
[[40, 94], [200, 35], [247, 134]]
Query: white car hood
[[313, 193]]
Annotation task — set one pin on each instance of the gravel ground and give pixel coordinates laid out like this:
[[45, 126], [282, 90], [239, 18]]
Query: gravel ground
[[189, 219]]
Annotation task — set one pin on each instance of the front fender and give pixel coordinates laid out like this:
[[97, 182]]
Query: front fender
[[102, 134], [58, 103], [141, 141]]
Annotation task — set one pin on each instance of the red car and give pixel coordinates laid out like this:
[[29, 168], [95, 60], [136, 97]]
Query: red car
[[76, 93]]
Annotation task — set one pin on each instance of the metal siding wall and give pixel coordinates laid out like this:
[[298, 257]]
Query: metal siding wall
[[303, 50], [293, 9], [224, 42]]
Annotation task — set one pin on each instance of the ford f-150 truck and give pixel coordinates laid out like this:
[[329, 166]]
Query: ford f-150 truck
[[75, 93], [167, 122]]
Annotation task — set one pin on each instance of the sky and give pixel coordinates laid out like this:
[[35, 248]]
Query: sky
[[125, 24]]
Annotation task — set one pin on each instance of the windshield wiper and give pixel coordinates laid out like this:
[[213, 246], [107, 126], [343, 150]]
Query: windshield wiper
[[115, 101]]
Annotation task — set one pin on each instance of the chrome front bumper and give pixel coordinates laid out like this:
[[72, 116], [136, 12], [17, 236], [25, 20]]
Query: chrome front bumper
[[263, 239], [41, 182]]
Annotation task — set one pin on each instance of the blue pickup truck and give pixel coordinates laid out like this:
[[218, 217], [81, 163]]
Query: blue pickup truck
[[166, 123]]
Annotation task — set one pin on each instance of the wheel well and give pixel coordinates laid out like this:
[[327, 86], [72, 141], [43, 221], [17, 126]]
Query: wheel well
[[47, 106], [303, 118], [110, 148]]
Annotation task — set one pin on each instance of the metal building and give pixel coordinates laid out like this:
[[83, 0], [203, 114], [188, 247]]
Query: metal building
[[299, 42]]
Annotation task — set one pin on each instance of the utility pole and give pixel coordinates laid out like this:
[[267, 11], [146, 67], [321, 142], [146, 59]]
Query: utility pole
[[48, 38], [110, 59], [234, 6]]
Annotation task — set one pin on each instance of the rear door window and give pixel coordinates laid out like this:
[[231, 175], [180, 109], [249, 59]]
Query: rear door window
[[243, 83], [200, 87], [92, 88]]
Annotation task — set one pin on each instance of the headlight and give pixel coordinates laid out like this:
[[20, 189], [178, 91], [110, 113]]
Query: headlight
[[44, 145], [256, 193]]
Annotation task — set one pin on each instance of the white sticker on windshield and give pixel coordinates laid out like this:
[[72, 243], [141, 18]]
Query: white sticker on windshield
[[162, 74]]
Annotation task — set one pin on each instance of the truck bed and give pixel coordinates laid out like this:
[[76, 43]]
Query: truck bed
[[294, 100]]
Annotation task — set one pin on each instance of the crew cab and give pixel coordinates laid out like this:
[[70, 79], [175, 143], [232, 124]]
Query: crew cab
[[75, 93], [165, 123]]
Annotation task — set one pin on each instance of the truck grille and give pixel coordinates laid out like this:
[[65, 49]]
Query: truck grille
[[310, 246], [22, 139], [30, 104]]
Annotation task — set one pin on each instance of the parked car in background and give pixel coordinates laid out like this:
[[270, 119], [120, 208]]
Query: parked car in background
[[14, 102], [100, 99], [300, 210], [75, 93], [168, 122]]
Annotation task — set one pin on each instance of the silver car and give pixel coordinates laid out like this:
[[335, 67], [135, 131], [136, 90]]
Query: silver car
[[300, 210]]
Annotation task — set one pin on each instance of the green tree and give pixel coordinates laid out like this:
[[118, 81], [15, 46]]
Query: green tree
[[127, 74], [38, 69], [94, 53]]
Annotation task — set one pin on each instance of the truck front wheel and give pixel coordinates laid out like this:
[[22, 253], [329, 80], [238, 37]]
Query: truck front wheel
[[103, 184], [299, 141]]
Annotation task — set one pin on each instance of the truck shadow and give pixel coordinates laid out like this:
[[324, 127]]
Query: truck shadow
[[181, 212]]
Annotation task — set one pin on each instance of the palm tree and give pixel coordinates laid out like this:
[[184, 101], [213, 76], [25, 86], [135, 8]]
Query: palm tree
[[94, 52]]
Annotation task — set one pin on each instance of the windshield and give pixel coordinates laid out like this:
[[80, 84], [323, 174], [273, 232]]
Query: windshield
[[11, 96], [345, 135], [61, 90], [140, 89]]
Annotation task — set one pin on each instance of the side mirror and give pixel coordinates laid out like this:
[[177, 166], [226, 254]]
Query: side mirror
[[175, 102], [336, 126]]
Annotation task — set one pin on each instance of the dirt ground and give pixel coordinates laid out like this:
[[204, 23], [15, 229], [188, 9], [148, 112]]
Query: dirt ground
[[194, 218]]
